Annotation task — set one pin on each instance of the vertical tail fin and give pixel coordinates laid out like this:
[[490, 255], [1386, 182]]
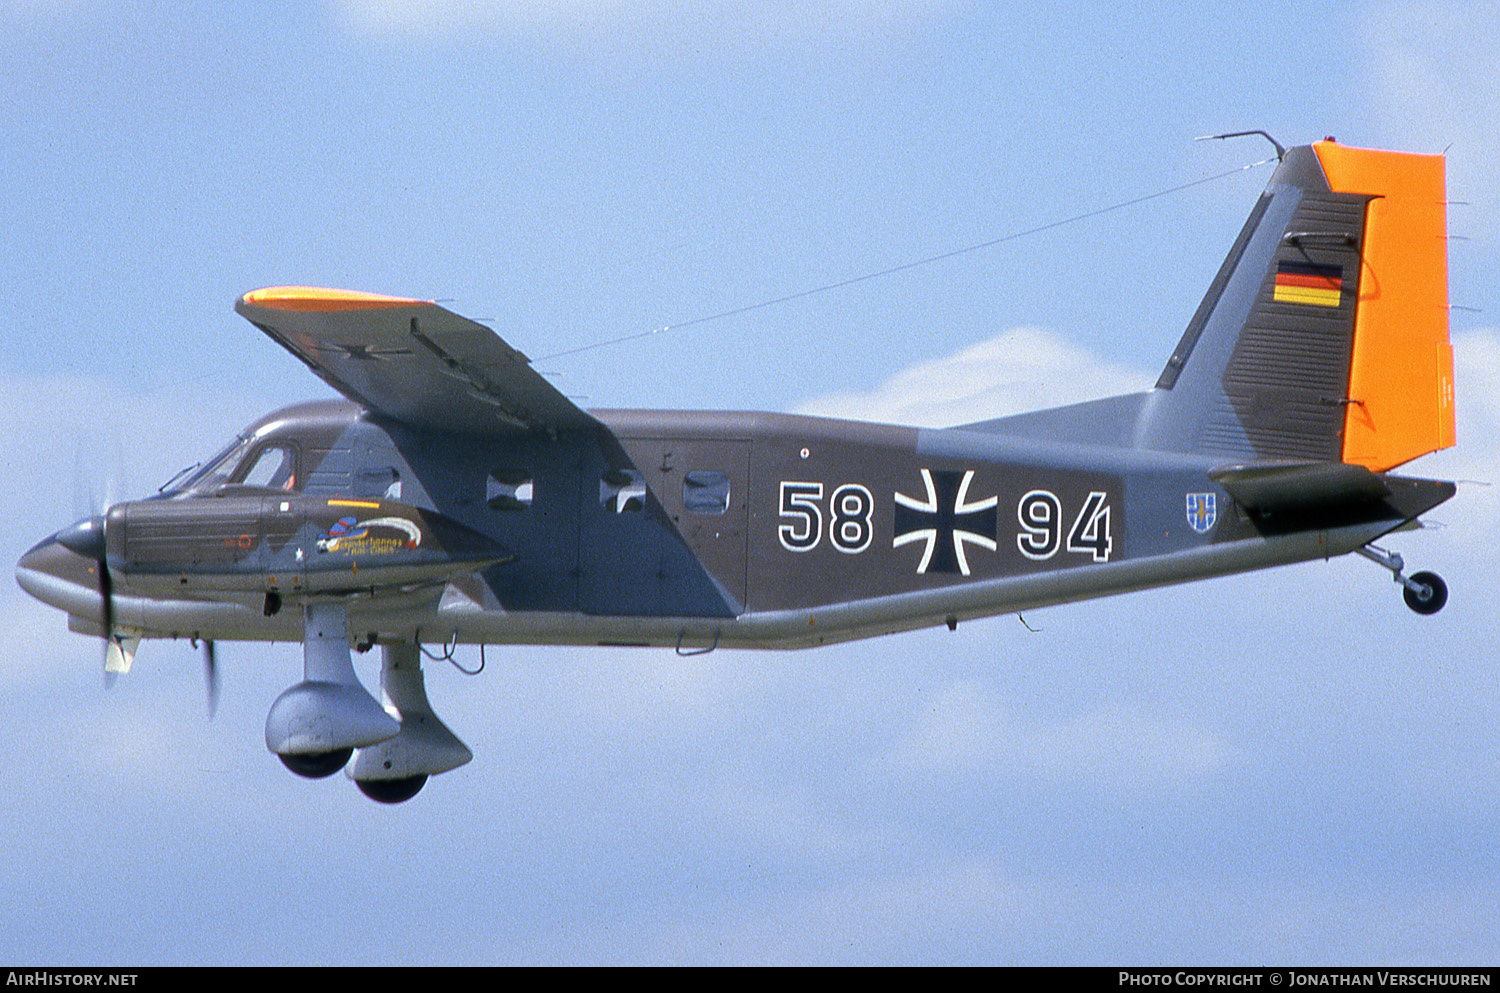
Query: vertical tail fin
[[1324, 336]]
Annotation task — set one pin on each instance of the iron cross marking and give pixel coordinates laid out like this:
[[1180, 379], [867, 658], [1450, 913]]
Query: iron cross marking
[[945, 521]]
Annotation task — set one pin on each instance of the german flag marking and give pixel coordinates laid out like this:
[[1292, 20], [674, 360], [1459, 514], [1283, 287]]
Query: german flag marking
[[1309, 283]]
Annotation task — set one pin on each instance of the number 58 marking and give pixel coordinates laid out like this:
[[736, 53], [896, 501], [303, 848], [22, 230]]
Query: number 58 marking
[[850, 510]]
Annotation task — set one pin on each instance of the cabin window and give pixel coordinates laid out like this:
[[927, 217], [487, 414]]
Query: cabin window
[[705, 491], [273, 468], [623, 491], [378, 482], [509, 490]]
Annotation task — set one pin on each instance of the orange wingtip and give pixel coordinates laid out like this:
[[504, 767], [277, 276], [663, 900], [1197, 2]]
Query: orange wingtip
[[317, 298]]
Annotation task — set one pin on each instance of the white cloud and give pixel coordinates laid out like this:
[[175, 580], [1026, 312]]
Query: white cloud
[[1032, 369], [864, 919], [1016, 371], [1127, 748], [913, 915], [443, 17]]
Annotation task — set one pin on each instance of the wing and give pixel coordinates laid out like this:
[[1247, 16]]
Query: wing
[[412, 360]]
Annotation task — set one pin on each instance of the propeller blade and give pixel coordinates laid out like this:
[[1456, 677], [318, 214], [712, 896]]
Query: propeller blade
[[86, 538], [119, 652], [107, 595], [211, 676]]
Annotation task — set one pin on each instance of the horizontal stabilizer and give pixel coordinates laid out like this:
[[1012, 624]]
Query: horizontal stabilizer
[[1270, 489]]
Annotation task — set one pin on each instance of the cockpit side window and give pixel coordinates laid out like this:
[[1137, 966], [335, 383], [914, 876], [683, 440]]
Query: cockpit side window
[[273, 467], [206, 477], [382, 482]]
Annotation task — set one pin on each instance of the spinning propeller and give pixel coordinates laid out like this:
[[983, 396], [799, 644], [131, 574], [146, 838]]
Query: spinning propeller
[[211, 677], [87, 538]]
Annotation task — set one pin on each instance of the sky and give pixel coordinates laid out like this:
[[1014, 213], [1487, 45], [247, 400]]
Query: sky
[[1284, 767]]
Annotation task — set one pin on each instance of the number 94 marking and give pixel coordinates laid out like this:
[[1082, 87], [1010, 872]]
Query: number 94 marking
[[1040, 515]]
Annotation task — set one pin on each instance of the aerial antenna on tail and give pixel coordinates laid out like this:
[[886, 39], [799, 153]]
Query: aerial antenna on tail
[[928, 260], [1280, 151]]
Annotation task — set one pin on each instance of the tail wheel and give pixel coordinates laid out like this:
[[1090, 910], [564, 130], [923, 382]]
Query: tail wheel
[[1431, 596]]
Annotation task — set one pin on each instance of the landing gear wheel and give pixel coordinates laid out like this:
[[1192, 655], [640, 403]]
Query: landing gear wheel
[[317, 765], [1436, 593], [391, 790]]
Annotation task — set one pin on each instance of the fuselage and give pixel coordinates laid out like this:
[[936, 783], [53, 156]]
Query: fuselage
[[686, 529]]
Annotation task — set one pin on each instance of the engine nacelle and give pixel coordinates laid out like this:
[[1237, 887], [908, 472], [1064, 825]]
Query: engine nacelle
[[283, 544]]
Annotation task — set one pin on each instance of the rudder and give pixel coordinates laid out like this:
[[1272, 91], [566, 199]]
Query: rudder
[[1401, 374]]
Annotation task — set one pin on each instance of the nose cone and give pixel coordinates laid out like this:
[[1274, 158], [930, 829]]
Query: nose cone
[[61, 577], [86, 538]]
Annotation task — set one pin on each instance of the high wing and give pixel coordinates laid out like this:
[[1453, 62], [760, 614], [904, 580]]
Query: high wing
[[412, 360]]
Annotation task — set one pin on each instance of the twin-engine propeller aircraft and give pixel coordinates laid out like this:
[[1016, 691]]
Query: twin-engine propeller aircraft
[[457, 497]]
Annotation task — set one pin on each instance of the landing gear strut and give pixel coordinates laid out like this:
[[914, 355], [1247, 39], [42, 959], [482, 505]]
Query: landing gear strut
[[1424, 592]]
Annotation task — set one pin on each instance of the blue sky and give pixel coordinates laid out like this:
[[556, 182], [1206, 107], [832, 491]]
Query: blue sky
[[1284, 767]]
